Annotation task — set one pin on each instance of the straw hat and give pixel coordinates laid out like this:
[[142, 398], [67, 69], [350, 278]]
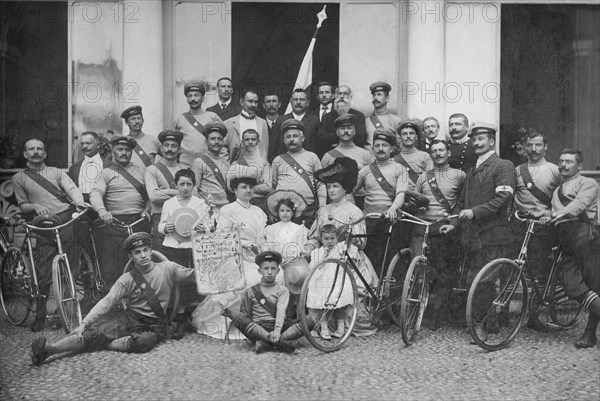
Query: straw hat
[[294, 274], [184, 220], [273, 198]]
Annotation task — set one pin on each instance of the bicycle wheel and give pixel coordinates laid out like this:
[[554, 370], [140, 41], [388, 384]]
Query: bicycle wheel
[[67, 301], [394, 279], [565, 312], [497, 304], [16, 289], [87, 283], [328, 300], [415, 295]]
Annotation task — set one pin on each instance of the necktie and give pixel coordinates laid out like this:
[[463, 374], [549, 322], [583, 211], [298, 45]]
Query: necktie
[[248, 117], [223, 105]]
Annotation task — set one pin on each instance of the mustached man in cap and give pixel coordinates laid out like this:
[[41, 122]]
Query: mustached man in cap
[[192, 122], [43, 190], [246, 120], [413, 159], [146, 146], [120, 194], [385, 183], [160, 179], [146, 290], [295, 169], [381, 117], [345, 127], [485, 202], [225, 107], [262, 315], [211, 167], [251, 164]]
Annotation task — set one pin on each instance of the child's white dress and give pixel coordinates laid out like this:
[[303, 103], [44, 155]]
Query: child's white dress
[[321, 282]]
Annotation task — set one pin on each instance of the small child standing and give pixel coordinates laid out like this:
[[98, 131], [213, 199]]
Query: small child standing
[[262, 312], [319, 288]]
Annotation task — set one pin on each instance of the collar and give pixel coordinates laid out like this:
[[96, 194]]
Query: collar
[[247, 116], [94, 159], [462, 140], [326, 107], [383, 163], [136, 136], [245, 205], [226, 103], [543, 161], [298, 117], [484, 157], [407, 151], [571, 178], [263, 283]]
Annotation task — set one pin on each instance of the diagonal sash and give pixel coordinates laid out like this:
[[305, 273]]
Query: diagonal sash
[[286, 157], [535, 191], [142, 154], [383, 183], [166, 173], [215, 169], [269, 306], [193, 122], [47, 185], [565, 200], [376, 121], [131, 179], [336, 154], [437, 192], [412, 174]]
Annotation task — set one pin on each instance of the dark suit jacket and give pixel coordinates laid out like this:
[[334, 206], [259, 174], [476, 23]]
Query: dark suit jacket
[[462, 156], [488, 191], [232, 110], [327, 138], [311, 130]]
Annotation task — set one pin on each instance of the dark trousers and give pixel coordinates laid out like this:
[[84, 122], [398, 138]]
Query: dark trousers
[[375, 246], [188, 292], [539, 250], [157, 236]]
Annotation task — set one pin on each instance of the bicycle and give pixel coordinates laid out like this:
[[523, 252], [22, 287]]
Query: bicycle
[[386, 295], [19, 288], [497, 304]]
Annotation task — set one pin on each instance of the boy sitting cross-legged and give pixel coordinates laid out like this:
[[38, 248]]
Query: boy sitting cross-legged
[[262, 312]]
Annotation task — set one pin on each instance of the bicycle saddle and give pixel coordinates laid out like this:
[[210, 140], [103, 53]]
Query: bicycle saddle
[[45, 221]]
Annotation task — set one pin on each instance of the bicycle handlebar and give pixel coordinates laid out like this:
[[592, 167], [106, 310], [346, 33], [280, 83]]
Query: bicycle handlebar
[[119, 223], [401, 213], [74, 216]]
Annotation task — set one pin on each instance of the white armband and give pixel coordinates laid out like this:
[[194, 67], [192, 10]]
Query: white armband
[[502, 188]]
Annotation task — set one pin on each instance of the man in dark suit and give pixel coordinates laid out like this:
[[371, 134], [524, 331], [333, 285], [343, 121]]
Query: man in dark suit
[[325, 98], [225, 107], [300, 102], [327, 138]]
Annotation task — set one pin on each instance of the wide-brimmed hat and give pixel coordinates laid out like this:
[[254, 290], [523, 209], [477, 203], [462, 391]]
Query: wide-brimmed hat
[[294, 274], [237, 170], [273, 198], [184, 220], [343, 170]]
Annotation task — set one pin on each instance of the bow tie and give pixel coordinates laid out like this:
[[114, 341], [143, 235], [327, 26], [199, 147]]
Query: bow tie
[[223, 105], [248, 117]]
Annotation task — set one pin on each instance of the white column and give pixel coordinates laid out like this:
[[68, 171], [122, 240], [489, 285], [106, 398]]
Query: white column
[[143, 61]]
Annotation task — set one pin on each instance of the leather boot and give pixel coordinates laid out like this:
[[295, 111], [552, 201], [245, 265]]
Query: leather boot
[[40, 316], [588, 339]]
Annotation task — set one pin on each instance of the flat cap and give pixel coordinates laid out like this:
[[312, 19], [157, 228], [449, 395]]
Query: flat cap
[[170, 135], [409, 124], [214, 126], [270, 256], [385, 135], [380, 86], [131, 111], [136, 240], [292, 124], [194, 86], [123, 140], [345, 120], [482, 128]]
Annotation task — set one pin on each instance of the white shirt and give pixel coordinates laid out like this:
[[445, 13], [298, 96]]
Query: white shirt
[[298, 117], [247, 123], [90, 173], [484, 157], [223, 105], [324, 110]]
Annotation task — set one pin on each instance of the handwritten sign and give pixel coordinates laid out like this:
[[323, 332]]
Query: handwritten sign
[[218, 262]]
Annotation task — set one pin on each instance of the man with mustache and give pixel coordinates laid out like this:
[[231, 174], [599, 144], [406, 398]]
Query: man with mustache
[[484, 204], [44, 190], [442, 185], [160, 181], [325, 98], [346, 132], [295, 170], [225, 107], [536, 181], [463, 155], [147, 146], [247, 119], [381, 117], [431, 129], [385, 183], [342, 104], [86, 172], [414, 160], [574, 211], [119, 194], [192, 122], [300, 102]]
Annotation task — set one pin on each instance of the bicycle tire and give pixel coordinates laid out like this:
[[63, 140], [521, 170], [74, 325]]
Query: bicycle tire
[[415, 295], [564, 311], [65, 294], [394, 279], [497, 304], [16, 287], [337, 292], [87, 281]]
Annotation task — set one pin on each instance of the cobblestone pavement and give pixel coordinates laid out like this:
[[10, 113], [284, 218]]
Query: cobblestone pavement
[[440, 365]]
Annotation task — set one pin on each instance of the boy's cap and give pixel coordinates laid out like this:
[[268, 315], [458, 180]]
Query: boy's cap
[[268, 256], [137, 239]]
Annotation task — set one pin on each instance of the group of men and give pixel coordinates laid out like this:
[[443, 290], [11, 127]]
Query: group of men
[[461, 176]]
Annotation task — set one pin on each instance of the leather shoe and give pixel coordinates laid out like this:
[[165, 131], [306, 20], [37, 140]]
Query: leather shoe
[[286, 346], [262, 346], [587, 340], [38, 351]]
